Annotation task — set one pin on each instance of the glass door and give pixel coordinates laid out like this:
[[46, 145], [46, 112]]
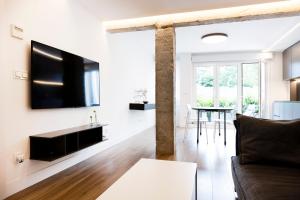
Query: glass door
[[228, 86], [251, 89], [217, 85], [205, 82], [236, 85]]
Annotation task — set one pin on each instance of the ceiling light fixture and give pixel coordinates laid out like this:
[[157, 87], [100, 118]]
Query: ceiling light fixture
[[214, 38]]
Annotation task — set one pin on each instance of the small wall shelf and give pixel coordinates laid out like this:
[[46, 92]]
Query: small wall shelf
[[53, 145], [141, 106]]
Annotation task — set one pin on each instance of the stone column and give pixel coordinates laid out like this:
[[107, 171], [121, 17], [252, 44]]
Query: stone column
[[165, 58]]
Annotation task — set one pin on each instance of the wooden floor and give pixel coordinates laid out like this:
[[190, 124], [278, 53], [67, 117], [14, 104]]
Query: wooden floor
[[88, 179]]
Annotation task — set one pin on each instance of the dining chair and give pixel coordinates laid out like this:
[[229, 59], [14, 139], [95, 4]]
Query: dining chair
[[193, 120], [251, 110], [218, 122]]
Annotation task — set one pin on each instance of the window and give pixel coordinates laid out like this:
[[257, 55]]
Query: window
[[251, 89], [227, 86], [205, 86], [234, 85]]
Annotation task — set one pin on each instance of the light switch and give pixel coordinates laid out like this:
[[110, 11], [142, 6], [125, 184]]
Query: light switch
[[24, 75], [17, 32], [18, 74], [21, 75]]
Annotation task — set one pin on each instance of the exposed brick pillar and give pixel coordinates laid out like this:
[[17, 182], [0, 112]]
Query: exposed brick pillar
[[165, 58]]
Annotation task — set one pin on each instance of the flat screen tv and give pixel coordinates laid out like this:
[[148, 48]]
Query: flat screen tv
[[62, 80]]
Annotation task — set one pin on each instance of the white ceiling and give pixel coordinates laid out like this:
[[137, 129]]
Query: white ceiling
[[122, 9], [243, 36]]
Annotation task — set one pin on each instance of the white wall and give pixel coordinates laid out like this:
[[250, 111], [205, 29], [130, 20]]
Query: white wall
[[177, 92], [276, 88], [126, 63], [185, 68], [2, 171], [131, 55], [230, 57]]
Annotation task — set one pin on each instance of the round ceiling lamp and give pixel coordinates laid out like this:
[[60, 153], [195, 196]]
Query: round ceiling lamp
[[214, 38]]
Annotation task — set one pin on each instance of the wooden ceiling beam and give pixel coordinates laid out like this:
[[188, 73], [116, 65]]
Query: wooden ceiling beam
[[223, 15]]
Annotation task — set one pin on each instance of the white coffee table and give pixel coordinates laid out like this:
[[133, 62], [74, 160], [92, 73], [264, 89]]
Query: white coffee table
[[151, 179]]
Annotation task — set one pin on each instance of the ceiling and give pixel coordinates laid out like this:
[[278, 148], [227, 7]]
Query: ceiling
[[254, 35], [243, 36], [123, 9]]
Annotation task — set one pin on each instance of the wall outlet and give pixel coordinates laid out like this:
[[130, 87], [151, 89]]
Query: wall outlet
[[19, 158]]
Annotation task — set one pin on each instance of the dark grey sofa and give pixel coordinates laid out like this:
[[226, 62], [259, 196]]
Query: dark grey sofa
[[268, 156]]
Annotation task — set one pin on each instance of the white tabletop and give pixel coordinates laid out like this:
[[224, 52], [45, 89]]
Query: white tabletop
[[152, 179]]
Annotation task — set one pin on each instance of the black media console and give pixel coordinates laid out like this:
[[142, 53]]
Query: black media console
[[56, 144]]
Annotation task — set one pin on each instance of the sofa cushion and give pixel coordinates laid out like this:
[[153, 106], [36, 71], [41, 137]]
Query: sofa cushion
[[265, 182], [268, 141]]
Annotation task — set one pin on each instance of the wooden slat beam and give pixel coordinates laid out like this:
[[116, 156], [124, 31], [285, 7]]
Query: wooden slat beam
[[224, 15]]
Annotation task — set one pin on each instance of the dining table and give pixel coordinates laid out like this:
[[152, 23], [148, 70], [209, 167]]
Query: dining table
[[219, 110]]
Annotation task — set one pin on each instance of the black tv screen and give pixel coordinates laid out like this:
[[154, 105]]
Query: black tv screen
[[62, 80]]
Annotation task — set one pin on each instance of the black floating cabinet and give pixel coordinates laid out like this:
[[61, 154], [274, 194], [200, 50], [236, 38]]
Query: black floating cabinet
[[72, 143], [54, 145], [141, 106], [89, 137], [47, 149]]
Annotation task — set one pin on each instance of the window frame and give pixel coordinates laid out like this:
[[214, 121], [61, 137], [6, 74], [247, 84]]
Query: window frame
[[216, 71]]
